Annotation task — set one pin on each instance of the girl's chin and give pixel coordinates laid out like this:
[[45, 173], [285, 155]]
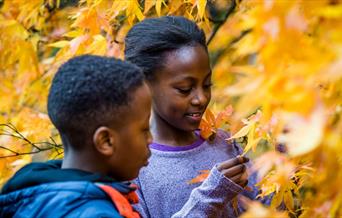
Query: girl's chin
[[191, 127], [187, 126]]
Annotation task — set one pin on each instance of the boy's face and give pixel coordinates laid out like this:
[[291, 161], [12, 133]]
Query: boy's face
[[133, 137], [182, 88]]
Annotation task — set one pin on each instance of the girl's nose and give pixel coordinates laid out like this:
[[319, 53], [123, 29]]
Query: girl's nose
[[200, 98]]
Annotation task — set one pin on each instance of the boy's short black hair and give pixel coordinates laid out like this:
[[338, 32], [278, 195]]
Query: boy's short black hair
[[148, 41], [87, 92]]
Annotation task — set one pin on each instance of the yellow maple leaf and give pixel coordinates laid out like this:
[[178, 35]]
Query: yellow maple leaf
[[201, 4]]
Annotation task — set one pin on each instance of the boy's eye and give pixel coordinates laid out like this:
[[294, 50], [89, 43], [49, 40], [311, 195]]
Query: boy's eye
[[146, 131]]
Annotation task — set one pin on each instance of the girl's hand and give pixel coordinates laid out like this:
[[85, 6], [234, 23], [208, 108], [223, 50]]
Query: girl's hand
[[235, 170]]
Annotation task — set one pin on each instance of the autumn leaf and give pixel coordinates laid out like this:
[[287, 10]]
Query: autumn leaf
[[242, 132], [248, 130], [223, 116], [201, 7], [303, 134], [206, 129], [148, 5], [158, 6], [209, 124], [200, 178], [175, 5], [257, 210]]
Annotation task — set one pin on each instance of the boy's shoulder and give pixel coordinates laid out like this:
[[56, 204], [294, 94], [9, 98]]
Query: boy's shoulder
[[59, 199]]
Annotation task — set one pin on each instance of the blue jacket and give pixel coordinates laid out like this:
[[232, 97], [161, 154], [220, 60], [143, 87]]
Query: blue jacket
[[45, 190]]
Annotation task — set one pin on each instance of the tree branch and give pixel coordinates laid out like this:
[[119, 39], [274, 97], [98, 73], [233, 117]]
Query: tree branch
[[216, 56], [219, 22], [37, 146]]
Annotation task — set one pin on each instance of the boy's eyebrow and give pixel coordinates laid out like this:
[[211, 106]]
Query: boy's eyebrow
[[147, 117]]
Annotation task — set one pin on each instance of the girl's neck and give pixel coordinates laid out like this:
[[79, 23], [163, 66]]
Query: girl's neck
[[164, 133]]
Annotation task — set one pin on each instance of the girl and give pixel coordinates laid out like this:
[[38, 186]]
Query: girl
[[173, 55]]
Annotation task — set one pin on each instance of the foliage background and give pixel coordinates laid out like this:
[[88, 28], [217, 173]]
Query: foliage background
[[277, 84]]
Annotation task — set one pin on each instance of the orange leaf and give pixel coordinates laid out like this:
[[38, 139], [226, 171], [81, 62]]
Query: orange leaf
[[209, 116], [201, 177], [223, 116], [205, 128]]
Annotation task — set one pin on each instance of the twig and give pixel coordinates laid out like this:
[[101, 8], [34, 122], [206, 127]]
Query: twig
[[9, 149], [21, 153], [16, 134], [219, 54], [220, 22]]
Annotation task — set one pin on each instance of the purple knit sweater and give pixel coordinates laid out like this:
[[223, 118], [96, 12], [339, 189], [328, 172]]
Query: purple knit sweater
[[164, 189]]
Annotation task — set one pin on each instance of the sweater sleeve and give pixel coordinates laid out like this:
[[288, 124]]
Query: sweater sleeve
[[211, 197]]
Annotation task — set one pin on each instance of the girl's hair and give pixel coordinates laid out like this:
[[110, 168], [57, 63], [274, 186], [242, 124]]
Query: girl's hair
[[147, 42]]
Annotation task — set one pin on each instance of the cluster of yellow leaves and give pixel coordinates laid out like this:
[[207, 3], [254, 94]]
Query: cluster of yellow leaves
[[289, 67], [257, 210], [99, 26], [24, 84]]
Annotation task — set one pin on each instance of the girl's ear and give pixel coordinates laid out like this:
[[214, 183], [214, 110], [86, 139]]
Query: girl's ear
[[104, 140]]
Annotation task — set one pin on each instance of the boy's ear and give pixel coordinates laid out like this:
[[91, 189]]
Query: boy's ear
[[104, 140]]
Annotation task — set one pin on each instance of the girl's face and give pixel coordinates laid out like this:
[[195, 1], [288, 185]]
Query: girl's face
[[181, 90]]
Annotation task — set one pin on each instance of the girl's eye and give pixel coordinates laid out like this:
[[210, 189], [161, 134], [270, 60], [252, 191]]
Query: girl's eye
[[184, 91], [207, 86]]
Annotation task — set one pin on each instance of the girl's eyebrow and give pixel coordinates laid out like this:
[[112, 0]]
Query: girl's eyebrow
[[192, 79], [209, 73]]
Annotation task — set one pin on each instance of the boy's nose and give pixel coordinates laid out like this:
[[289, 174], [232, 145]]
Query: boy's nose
[[149, 138]]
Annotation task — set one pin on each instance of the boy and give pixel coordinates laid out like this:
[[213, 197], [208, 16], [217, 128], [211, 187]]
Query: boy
[[101, 108]]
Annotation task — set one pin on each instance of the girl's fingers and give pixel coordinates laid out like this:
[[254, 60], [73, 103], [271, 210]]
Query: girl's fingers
[[232, 162], [240, 179], [244, 176], [243, 183], [242, 159], [238, 169], [228, 164], [236, 178]]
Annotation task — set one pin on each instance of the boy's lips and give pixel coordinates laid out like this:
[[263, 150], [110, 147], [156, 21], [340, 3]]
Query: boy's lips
[[146, 163], [147, 158]]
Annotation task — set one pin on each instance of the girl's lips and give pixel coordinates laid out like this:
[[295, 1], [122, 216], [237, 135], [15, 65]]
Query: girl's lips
[[197, 116]]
